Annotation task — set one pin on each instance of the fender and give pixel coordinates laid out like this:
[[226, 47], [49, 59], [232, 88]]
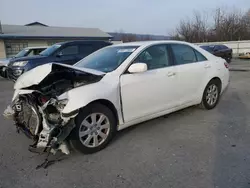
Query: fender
[[18, 92], [214, 73], [82, 96]]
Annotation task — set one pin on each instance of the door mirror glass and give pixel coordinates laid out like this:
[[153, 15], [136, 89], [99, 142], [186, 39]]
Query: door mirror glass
[[138, 67]]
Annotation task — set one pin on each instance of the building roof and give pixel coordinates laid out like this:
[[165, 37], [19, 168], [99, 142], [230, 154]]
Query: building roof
[[36, 23], [38, 31]]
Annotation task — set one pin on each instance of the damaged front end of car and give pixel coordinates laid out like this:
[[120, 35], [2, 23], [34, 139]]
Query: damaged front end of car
[[39, 100]]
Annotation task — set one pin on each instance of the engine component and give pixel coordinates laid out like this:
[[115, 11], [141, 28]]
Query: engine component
[[26, 115], [9, 113]]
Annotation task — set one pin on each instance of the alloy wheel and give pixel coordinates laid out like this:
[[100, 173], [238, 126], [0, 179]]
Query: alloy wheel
[[212, 94], [94, 130]]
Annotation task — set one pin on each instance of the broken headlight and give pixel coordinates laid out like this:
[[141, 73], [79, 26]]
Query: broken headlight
[[62, 101], [61, 104]]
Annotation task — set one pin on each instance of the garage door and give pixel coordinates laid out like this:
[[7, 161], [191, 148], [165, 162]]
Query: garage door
[[13, 47]]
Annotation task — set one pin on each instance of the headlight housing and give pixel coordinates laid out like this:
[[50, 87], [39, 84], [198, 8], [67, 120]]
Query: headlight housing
[[20, 63], [62, 101], [61, 104]]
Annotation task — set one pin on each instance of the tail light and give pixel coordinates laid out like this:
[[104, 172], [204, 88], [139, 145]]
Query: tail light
[[226, 65]]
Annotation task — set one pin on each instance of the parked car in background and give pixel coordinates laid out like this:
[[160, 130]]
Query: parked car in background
[[244, 55], [29, 51], [114, 88], [220, 51], [64, 52]]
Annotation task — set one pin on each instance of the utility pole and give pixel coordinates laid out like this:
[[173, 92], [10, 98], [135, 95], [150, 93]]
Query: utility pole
[[1, 31]]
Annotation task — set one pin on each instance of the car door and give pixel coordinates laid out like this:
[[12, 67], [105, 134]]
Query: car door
[[153, 91], [191, 70], [68, 54]]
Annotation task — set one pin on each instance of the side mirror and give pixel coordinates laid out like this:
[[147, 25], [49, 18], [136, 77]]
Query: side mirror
[[138, 67]]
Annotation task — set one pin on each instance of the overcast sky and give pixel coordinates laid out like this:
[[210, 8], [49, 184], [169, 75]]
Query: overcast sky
[[138, 16]]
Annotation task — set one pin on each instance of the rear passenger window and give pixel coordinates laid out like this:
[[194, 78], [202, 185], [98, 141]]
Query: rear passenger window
[[86, 49], [70, 50], [223, 47], [183, 54], [217, 48], [199, 56]]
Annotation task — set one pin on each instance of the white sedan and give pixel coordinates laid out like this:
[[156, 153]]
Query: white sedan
[[116, 87]]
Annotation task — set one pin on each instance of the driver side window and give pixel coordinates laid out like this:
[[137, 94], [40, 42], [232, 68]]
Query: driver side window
[[155, 57]]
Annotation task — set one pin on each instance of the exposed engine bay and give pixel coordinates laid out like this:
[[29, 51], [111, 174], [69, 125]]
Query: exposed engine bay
[[39, 114]]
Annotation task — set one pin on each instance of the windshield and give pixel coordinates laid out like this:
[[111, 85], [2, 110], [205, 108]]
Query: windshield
[[207, 48], [50, 50], [22, 53], [107, 59]]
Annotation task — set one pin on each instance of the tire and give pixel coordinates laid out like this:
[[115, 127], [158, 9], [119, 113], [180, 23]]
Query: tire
[[206, 103], [91, 139]]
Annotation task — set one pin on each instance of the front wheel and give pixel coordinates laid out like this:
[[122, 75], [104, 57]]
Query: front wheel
[[95, 127], [211, 95]]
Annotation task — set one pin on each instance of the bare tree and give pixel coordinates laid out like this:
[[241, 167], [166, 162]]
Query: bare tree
[[126, 37], [227, 25]]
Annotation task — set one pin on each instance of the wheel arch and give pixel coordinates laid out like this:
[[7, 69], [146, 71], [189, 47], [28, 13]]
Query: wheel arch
[[218, 80], [110, 105]]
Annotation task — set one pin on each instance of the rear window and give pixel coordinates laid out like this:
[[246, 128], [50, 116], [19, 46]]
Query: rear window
[[208, 48], [223, 47]]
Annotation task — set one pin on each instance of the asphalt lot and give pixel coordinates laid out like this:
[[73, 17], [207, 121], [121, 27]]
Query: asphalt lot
[[192, 148]]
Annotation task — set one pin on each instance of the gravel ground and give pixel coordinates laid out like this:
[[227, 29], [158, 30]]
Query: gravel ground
[[188, 149]]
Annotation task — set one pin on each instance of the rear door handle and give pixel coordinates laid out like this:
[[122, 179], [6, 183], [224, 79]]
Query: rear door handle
[[207, 66], [171, 74]]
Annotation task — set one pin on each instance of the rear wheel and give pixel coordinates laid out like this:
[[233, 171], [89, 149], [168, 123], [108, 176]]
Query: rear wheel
[[95, 127], [211, 95]]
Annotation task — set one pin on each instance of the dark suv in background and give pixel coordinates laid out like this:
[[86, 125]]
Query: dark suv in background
[[64, 52], [220, 51]]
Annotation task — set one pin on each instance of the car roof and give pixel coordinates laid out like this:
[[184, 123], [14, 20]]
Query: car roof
[[148, 43], [213, 45], [36, 47], [84, 42], [208, 45]]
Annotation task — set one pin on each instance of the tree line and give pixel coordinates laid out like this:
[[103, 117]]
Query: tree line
[[223, 25], [130, 37]]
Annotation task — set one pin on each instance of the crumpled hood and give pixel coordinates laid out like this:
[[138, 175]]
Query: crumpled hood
[[36, 75]]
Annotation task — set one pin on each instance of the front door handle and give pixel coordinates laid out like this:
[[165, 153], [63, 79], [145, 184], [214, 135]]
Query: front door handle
[[171, 74]]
